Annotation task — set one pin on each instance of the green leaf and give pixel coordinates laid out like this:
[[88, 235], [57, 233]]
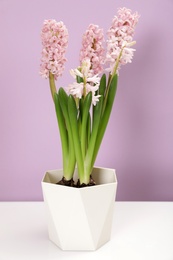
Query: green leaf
[[68, 163], [102, 86], [93, 138], [63, 101], [79, 79], [86, 108], [72, 111], [81, 103], [79, 124], [88, 129], [106, 115], [62, 126]]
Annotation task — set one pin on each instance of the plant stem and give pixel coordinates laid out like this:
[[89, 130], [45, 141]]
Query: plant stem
[[52, 85]]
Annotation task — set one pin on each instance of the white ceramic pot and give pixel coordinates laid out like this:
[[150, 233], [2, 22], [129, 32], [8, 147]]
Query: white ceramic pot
[[80, 218]]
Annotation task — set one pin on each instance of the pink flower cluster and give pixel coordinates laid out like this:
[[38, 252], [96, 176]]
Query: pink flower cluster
[[90, 83], [120, 37], [92, 48], [54, 36]]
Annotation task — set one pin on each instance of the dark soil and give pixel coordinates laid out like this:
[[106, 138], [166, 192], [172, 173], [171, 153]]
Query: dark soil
[[65, 182], [71, 183], [91, 183]]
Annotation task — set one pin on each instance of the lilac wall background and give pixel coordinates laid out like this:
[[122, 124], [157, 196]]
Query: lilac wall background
[[139, 138]]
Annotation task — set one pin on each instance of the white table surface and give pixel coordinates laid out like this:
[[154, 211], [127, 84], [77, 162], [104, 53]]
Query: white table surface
[[141, 231]]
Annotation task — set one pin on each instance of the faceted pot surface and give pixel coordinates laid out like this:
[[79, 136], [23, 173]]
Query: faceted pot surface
[[80, 218]]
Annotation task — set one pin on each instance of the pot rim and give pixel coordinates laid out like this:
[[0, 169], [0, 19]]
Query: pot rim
[[50, 177]]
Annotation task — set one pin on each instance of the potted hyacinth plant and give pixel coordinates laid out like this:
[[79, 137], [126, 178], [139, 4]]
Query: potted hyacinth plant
[[83, 109]]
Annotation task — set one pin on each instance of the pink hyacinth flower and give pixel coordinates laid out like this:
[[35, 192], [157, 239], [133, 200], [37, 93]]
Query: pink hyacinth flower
[[120, 39], [54, 36], [90, 83], [92, 48]]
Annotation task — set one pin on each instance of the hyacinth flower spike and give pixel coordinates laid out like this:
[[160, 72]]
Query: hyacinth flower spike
[[54, 37]]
